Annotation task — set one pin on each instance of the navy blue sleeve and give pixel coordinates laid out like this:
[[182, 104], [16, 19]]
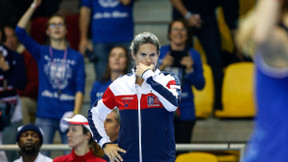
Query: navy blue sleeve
[[16, 75], [196, 78], [31, 45], [166, 86], [80, 74]]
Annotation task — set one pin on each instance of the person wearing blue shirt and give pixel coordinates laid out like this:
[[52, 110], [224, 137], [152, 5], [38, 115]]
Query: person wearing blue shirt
[[118, 63], [186, 63], [61, 74], [111, 24], [266, 31]]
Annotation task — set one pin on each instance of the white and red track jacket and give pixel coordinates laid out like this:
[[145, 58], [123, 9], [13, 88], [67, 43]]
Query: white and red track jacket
[[147, 114]]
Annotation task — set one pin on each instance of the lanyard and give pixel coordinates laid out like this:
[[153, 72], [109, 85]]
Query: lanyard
[[62, 66]]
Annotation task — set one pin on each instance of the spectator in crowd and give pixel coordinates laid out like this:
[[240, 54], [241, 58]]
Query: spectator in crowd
[[112, 25], [11, 38], [61, 74], [29, 140], [12, 74], [154, 94], [118, 63], [179, 58], [84, 148], [28, 96], [266, 31], [112, 125], [201, 16]]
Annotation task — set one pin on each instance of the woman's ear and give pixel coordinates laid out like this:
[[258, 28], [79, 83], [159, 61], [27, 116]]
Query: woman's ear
[[88, 135], [133, 55]]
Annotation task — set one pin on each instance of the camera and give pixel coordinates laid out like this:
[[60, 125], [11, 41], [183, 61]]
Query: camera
[[178, 55]]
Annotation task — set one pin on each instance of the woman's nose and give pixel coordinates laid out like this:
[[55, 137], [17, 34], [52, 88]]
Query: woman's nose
[[148, 59], [68, 133]]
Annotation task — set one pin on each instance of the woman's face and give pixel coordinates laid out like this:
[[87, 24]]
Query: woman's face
[[118, 59], [56, 28], [147, 55], [76, 137], [178, 34]]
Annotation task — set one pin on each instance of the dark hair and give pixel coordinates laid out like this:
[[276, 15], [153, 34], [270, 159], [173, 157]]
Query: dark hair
[[107, 74], [48, 38], [96, 149], [189, 40], [118, 119], [144, 38], [56, 15]]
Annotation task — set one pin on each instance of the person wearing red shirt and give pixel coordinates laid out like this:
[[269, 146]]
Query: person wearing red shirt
[[84, 148]]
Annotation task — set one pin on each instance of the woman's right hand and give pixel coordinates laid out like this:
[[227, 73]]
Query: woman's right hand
[[111, 150]]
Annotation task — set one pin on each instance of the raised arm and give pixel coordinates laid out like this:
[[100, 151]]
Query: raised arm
[[27, 15], [267, 12], [262, 32], [31, 45]]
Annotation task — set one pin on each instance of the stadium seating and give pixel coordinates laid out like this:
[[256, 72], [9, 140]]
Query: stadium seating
[[197, 157], [204, 99], [237, 91]]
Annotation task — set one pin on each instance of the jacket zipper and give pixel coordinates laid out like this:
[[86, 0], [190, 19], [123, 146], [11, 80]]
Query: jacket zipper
[[139, 121]]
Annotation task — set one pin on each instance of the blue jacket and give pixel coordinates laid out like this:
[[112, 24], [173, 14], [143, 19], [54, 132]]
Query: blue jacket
[[147, 114]]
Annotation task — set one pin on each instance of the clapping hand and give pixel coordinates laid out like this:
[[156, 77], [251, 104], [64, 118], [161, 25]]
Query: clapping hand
[[167, 61], [188, 62]]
